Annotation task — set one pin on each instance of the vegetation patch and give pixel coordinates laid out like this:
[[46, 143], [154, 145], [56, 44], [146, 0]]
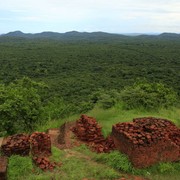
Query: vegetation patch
[[148, 96], [19, 167]]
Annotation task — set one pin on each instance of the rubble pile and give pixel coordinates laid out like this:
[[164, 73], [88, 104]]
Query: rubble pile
[[148, 140], [41, 150], [44, 163], [40, 144], [104, 146], [17, 144], [89, 131]]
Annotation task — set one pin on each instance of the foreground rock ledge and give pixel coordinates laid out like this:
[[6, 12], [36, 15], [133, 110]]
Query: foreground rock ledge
[[147, 141]]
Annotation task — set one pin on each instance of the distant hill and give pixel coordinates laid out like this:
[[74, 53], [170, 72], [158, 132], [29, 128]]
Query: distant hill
[[30, 35], [55, 34], [170, 35], [14, 34], [93, 36], [68, 36]]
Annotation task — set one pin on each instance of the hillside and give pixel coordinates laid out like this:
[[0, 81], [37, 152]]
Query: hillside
[[79, 64], [48, 79], [68, 36], [80, 162], [75, 35]]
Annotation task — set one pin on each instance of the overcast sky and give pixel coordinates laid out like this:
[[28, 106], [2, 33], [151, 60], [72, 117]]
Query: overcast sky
[[115, 16]]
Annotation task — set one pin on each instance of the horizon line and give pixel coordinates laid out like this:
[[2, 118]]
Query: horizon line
[[118, 33]]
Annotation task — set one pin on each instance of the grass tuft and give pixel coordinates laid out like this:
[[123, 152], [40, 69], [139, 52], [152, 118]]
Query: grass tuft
[[19, 167], [115, 160]]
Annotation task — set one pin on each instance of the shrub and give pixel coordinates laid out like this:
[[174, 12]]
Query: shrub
[[83, 107], [105, 99], [148, 95], [56, 109], [20, 106]]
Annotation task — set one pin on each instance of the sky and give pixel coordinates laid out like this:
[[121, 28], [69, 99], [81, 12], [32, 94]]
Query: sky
[[114, 16]]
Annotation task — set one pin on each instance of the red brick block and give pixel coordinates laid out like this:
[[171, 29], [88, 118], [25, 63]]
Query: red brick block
[[89, 131], [40, 144], [17, 144], [147, 141]]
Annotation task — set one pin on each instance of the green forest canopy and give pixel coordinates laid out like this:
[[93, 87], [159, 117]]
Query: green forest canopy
[[75, 69]]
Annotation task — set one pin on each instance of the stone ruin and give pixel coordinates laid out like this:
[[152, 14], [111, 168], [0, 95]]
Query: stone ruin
[[147, 141], [41, 150], [38, 144], [16, 145], [89, 131]]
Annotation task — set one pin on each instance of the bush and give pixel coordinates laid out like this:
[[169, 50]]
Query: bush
[[148, 95], [56, 109], [105, 99], [20, 106], [83, 107]]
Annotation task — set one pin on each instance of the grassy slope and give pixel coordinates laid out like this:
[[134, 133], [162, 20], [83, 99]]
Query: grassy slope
[[81, 163], [117, 114], [75, 167]]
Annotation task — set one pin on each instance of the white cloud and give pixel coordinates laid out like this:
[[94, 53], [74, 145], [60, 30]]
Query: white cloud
[[161, 15]]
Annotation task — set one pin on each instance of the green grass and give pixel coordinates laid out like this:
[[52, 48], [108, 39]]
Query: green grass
[[117, 114], [19, 167], [78, 168], [120, 162], [74, 167], [56, 123]]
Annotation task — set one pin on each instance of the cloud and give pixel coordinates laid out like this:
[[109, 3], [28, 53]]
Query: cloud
[[114, 15]]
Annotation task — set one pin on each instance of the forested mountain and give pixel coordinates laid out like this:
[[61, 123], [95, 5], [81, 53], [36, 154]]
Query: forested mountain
[[85, 35], [63, 36]]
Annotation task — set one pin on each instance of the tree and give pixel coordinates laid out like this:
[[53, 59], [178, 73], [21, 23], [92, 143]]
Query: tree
[[105, 99], [20, 106], [148, 95]]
